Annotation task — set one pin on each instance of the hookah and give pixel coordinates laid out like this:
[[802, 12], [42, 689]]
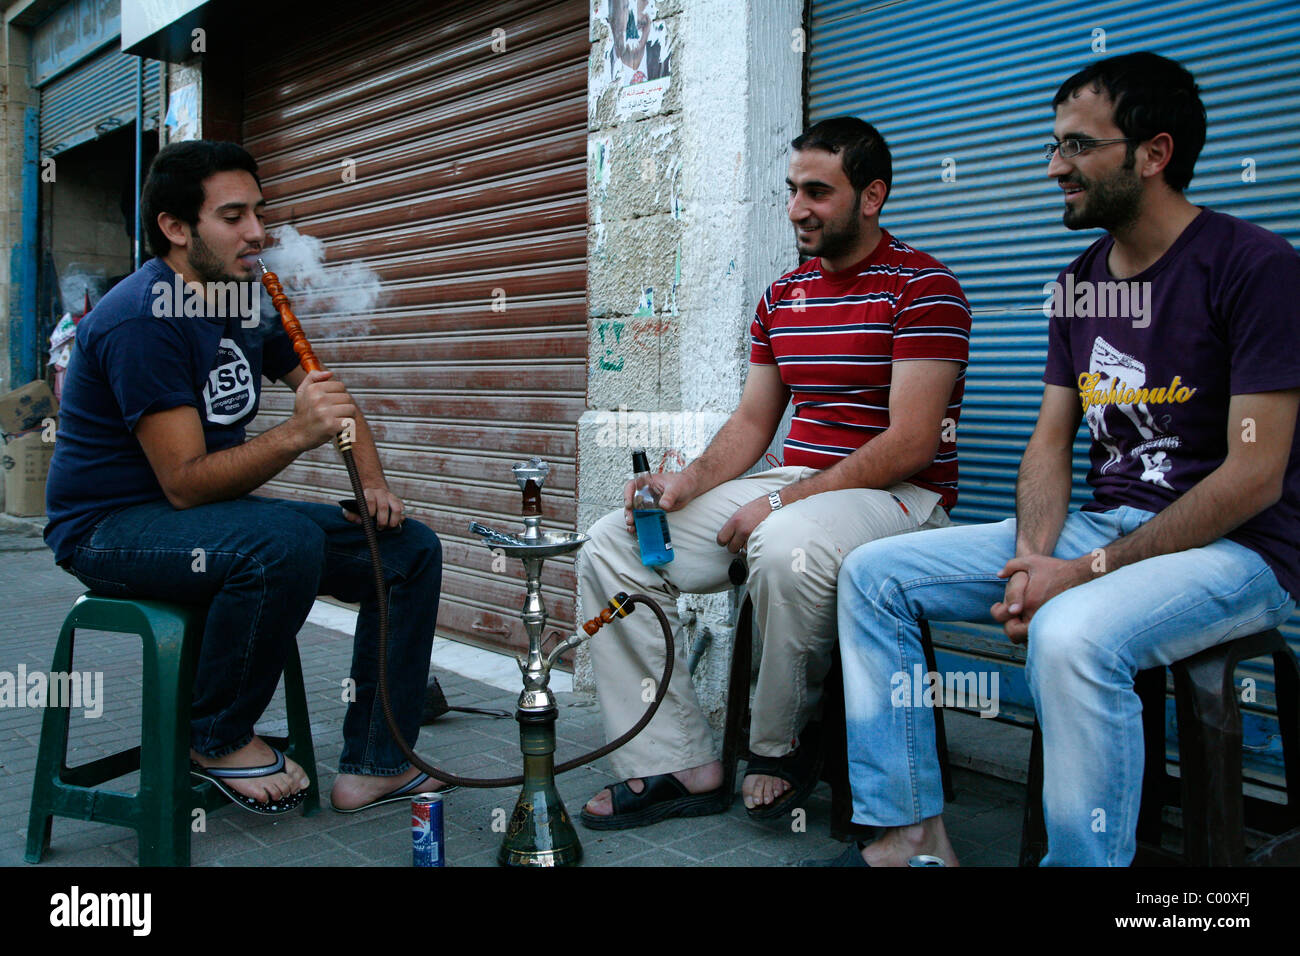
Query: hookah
[[540, 832]]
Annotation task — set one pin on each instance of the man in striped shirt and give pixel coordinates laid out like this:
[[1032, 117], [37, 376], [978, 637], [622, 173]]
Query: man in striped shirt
[[869, 340]]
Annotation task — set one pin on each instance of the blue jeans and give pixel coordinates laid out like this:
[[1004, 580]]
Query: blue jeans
[[258, 563], [1085, 647]]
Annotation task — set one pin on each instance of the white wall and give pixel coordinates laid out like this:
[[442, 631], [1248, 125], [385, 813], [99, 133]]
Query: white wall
[[687, 198]]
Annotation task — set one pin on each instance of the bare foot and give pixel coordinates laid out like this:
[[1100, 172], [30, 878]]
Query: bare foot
[[896, 845], [699, 779], [761, 790], [257, 753], [353, 790]]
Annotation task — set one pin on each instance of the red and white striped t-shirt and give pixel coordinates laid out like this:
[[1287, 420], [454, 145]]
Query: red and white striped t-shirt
[[834, 337]]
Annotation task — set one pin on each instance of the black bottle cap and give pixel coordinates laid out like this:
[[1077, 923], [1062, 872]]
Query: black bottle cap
[[639, 463]]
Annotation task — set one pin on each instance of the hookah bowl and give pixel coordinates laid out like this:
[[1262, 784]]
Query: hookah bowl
[[540, 832]]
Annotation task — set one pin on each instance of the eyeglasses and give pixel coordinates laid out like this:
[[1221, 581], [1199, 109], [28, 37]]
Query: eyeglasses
[[1073, 147]]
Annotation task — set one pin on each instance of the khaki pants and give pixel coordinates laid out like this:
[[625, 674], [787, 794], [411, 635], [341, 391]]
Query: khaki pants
[[794, 559]]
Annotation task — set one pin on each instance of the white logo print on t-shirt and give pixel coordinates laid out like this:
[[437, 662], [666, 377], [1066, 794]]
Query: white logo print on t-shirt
[[229, 394]]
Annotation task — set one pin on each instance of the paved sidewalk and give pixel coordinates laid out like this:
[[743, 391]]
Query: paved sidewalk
[[984, 821]]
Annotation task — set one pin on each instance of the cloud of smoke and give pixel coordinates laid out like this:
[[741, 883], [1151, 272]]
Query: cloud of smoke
[[299, 260]]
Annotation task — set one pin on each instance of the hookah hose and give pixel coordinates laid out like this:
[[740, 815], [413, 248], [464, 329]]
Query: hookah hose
[[620, 606]]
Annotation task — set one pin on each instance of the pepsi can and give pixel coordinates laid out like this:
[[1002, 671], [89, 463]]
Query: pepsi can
[[426, 831], [926, 860]]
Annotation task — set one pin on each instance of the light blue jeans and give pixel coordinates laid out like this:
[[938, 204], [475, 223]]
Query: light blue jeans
[[1085, 647]]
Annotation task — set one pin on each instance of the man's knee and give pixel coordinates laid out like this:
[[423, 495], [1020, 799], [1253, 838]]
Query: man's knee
[[782, 556], [868, 571], [608, 536], [422, 543], [1066, 646], [286, 549], [605, 532]]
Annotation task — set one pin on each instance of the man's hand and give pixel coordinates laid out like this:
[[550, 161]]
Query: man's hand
[[1007, 611], [1034, 580], [384, 506], [675, 489], [320, 404], [735, 533]]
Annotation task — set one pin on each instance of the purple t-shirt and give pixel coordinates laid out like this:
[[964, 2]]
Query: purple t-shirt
[[1156, 358]]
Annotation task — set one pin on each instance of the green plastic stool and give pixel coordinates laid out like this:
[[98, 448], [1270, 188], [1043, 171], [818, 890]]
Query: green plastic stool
[[161, 812]]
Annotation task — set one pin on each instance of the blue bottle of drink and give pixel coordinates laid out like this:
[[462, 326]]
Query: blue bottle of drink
[[651, 520]]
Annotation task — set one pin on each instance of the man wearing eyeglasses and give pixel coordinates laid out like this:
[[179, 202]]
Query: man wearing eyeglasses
[[1189, 539]]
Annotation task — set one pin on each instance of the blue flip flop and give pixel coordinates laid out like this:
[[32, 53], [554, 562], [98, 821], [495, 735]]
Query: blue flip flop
[[404, 792], [218, 775]]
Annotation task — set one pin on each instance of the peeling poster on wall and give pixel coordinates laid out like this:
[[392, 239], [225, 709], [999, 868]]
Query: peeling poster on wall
[[182, 121], [639, 54]]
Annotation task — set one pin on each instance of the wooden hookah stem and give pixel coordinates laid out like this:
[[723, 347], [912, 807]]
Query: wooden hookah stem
[[310, 363], [291, 324]]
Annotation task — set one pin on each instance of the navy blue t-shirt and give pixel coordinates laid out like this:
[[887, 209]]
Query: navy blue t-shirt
[[1215, 316], [132, 358]]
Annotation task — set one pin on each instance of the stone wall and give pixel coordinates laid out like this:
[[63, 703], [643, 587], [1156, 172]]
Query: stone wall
[[686, 180]]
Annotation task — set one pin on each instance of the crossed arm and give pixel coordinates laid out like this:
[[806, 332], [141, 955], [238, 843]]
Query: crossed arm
[[1260, 430]]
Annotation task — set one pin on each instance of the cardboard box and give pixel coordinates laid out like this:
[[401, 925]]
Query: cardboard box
[[26, 407], [26, 462]]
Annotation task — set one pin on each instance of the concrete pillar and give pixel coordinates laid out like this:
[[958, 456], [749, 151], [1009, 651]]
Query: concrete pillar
[[15, 99], [686, 189]]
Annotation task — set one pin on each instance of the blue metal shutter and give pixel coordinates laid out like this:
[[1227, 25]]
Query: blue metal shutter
[[972, 84], [94, 98]]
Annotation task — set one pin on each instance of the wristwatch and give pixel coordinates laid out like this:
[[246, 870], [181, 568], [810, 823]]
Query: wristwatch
[[774, 499]]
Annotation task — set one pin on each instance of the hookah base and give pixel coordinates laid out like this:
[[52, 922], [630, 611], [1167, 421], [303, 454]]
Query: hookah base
[[540, 832], [565, 856]]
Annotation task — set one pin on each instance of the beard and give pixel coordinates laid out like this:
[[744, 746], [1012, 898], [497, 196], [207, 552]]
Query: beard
[[838, 236], [206, 264], [1111, 203]]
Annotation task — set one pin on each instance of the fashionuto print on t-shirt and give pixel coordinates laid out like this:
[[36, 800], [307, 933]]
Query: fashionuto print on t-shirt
[[1221, 321]]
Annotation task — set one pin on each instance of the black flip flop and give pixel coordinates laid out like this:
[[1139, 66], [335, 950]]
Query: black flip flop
[[218, 775], [664, 797], [800, 768]]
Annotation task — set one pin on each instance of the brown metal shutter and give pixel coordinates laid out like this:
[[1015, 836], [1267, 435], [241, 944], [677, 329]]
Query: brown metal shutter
[[470, 178]]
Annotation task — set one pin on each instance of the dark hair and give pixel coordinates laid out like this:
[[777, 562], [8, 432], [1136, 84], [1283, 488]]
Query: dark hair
[[175, 182], [862, 150], [1151, 95]]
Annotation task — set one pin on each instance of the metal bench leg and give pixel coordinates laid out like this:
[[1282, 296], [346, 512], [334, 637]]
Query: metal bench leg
[[940, 735], [735, 733], [1033, 831]]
